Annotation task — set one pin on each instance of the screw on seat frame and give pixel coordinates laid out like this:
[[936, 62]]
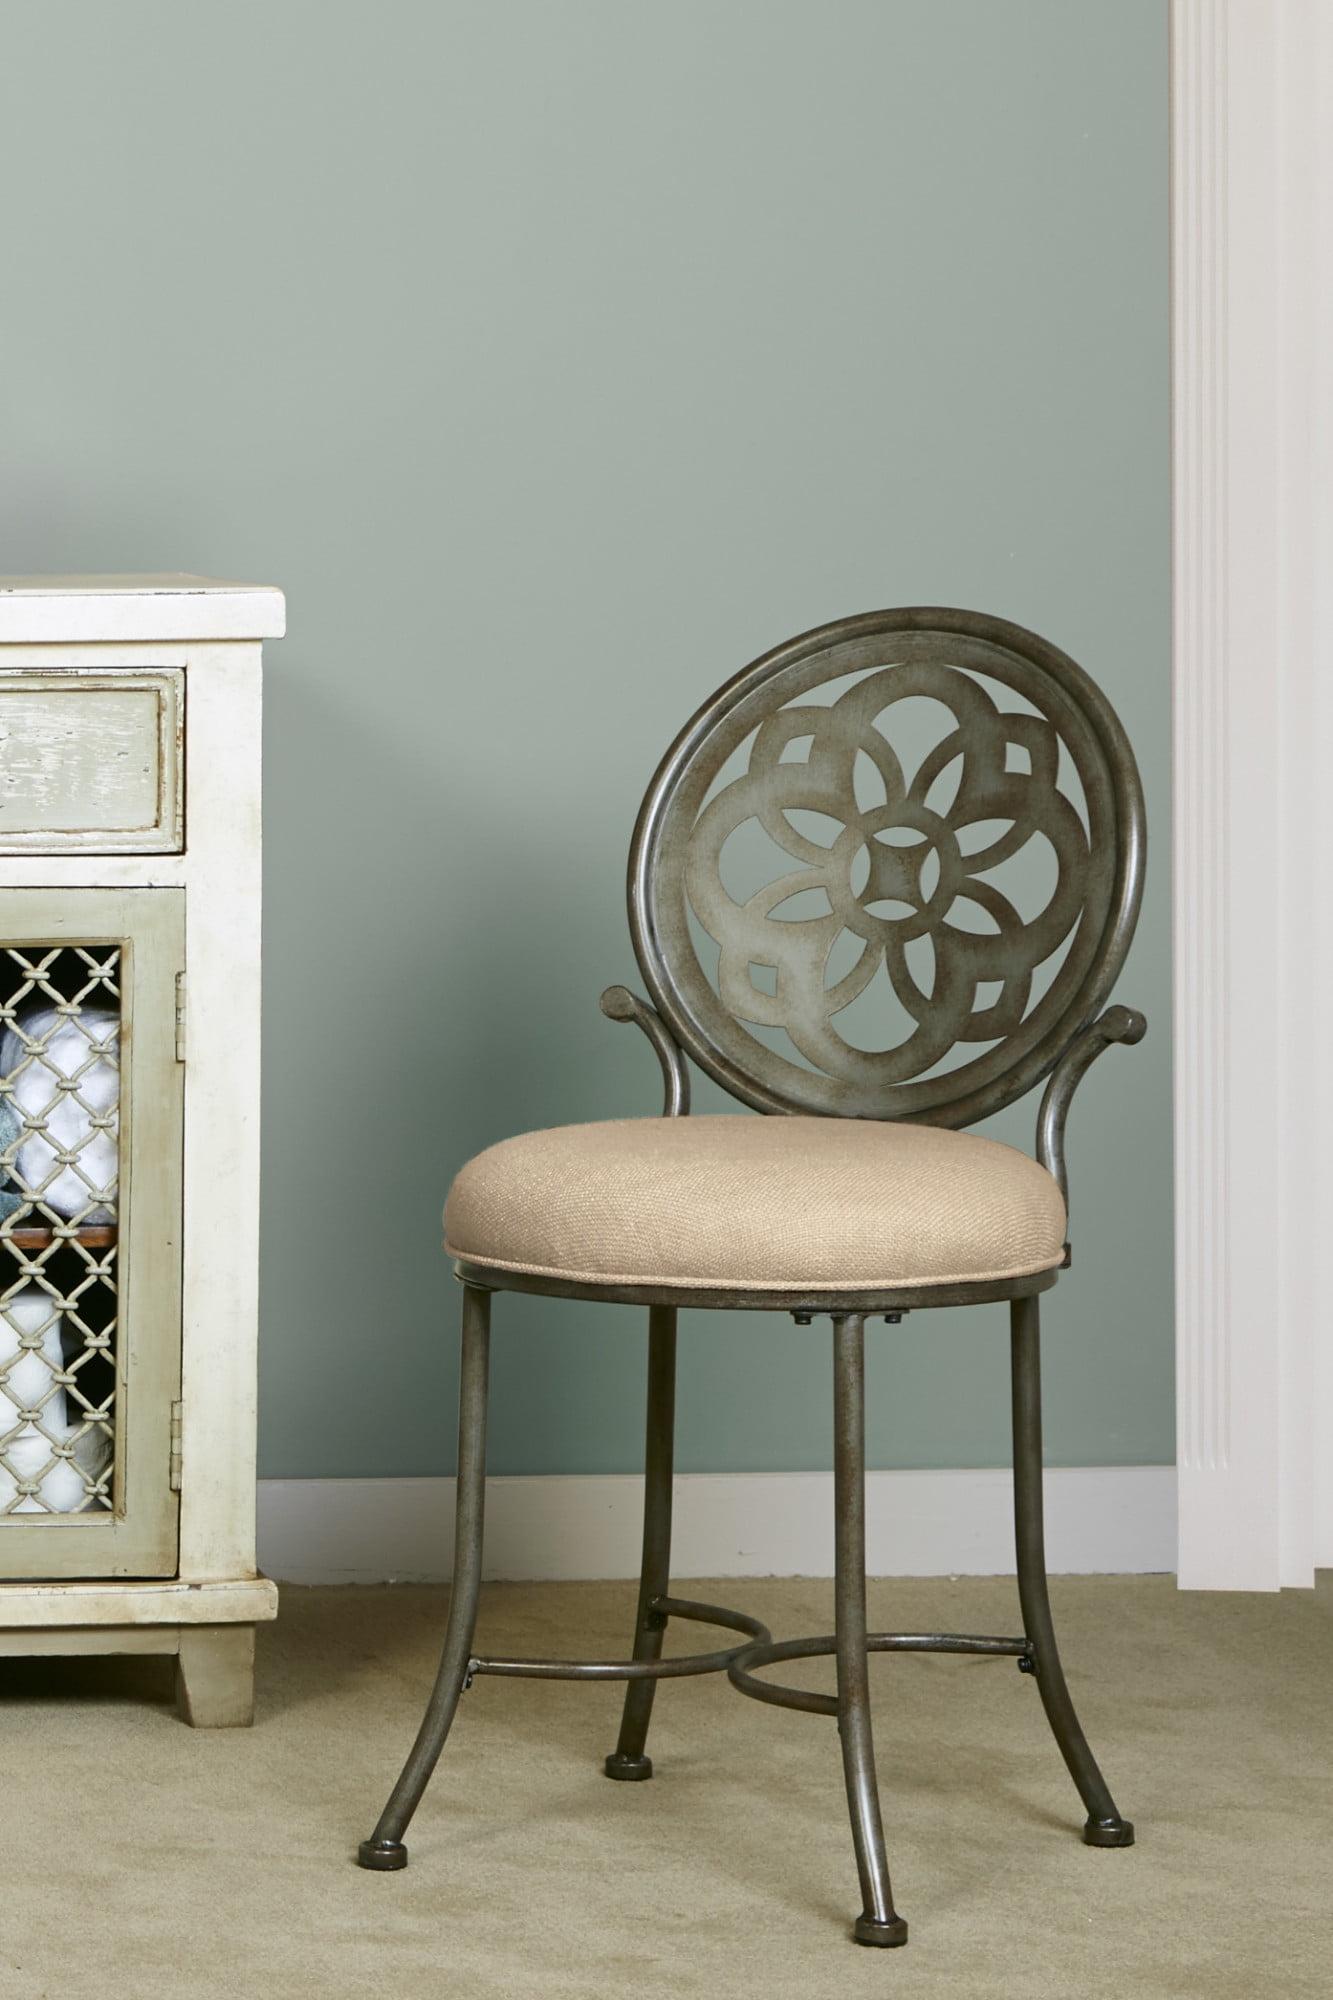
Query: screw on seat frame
[[955, 657]]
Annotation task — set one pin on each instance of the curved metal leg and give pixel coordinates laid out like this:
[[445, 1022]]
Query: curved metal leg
[[627, 1761], [385, 1847], [1105, 1827], [878, 1923]]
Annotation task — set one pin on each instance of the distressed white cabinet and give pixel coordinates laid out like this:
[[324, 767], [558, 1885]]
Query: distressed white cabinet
[[129, 1123]]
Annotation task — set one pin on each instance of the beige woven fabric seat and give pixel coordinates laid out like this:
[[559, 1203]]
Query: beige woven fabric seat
[[756, 1203]]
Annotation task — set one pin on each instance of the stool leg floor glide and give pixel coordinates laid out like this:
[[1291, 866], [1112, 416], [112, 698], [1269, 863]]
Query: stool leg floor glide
[[628, 1762], [878, 1923], [1104, 1826], [385, 1849]]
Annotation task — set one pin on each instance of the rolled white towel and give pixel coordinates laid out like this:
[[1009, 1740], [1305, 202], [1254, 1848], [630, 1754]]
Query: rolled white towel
[[27, 1376], [67, 1042]]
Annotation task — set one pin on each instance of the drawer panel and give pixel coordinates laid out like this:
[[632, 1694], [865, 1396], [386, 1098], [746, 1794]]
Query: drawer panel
[[92, 761]]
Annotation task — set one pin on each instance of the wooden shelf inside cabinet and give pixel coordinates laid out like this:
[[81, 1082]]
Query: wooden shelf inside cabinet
[[96, 1236]]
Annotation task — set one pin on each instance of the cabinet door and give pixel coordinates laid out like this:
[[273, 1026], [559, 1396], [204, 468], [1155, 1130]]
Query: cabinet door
[[90, 1230]]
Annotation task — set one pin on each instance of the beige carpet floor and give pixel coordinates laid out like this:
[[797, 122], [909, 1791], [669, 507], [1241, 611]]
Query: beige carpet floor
[[143, 1859]]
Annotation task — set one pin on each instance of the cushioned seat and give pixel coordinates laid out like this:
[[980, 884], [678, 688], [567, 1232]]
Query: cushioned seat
[[756, 1204]]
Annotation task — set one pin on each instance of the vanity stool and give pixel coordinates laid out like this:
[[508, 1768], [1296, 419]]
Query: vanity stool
[[880, 887]]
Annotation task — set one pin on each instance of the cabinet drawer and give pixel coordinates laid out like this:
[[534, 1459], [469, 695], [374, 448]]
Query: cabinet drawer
[[92, 761]]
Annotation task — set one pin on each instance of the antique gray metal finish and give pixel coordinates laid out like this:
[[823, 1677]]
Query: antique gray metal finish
[[647, 1667], [878, 1923], [903, 1299], [619, 1004], [385, 1849], [628, 1761], [742, 1671], [1117, 1024], [1090, 916], [895, 870], [1104, 1827]]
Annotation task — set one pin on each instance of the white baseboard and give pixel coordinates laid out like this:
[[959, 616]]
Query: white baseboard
[[951, 1523]]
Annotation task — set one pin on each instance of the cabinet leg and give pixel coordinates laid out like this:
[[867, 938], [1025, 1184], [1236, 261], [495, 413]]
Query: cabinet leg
[[215, 1676]]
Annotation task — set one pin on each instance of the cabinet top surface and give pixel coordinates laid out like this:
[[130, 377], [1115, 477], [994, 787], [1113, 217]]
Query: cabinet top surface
[[34, 609]]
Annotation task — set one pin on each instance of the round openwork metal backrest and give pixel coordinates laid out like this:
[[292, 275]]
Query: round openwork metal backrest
[[891, 869]]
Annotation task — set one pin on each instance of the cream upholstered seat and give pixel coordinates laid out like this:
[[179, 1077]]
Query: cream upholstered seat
[[835, 1204]]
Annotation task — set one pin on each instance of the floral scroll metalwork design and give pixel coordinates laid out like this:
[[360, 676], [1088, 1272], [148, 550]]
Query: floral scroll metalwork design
[[887, 863], [891, 873]]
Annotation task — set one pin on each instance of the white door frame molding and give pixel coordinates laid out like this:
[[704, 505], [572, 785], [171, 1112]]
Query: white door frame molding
[[1252, 311]]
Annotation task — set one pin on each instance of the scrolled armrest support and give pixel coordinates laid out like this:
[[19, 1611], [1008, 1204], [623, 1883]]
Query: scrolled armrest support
[[619, 1004], [1117, 1024]]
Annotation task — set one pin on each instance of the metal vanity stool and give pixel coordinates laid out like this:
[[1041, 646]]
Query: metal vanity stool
[[881, 885]]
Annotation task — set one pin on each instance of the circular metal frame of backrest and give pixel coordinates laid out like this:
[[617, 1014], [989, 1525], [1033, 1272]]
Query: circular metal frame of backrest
[[931, 645]]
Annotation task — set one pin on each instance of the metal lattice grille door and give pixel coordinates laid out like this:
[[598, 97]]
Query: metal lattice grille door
[[90, 1139], [59, 1204]]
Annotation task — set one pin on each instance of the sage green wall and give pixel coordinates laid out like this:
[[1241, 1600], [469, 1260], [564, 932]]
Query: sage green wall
[[557, 359]]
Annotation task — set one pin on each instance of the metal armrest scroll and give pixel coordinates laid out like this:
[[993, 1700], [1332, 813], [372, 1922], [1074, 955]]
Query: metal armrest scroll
[[619, 1004], [1117, 1024]]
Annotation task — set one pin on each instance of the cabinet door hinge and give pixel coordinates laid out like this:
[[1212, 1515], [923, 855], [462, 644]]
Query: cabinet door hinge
[[174, 1462], [180, 1017]]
